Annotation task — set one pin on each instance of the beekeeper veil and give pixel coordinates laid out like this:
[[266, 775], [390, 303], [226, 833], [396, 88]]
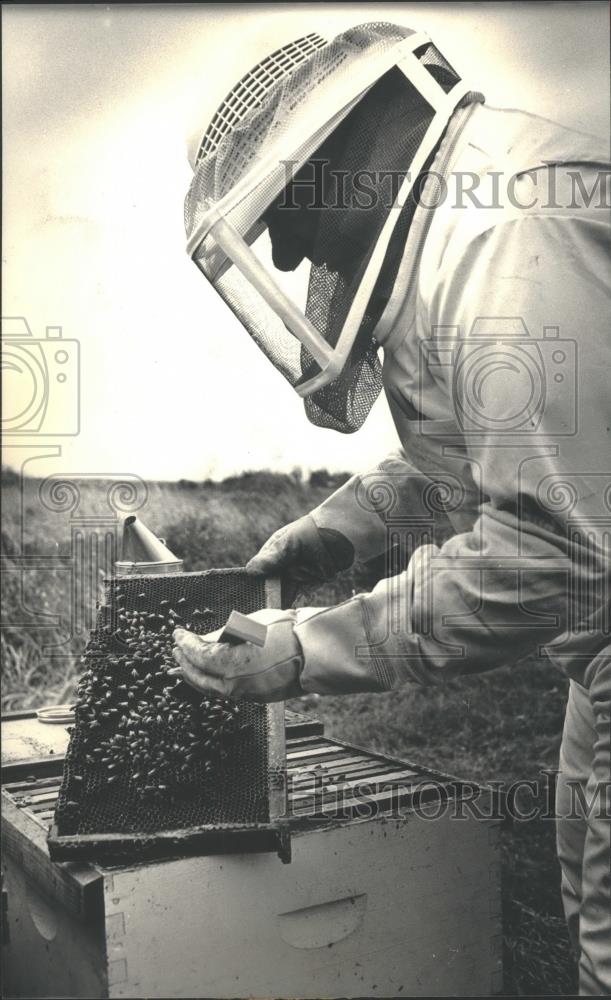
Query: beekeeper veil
[[301, 199]]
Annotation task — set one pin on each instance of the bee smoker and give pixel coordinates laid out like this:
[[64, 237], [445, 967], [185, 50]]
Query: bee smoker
[[142, 552]]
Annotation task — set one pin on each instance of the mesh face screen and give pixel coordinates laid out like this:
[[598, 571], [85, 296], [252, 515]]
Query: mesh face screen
[[148, 753]]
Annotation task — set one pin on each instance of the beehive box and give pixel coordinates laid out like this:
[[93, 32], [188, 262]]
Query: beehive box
[[393, 889]]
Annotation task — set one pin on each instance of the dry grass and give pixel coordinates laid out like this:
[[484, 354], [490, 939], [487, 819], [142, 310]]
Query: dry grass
[[48, 610], [500, 726]]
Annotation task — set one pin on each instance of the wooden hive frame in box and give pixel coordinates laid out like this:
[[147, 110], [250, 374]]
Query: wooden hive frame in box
[[234, 801]]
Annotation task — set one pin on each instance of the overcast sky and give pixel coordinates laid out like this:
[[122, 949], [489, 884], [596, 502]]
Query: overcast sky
[[97, 104]]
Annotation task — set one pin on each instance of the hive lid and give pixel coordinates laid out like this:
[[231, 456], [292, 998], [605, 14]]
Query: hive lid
[[26, 739]]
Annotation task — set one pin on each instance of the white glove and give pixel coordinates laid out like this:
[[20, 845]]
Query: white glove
[[279, 670], [245, 671]]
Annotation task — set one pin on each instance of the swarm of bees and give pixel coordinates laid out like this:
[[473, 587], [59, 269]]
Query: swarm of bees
[[135, 722]]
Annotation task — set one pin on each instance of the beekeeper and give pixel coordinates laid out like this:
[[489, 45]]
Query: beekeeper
[[355, 195]]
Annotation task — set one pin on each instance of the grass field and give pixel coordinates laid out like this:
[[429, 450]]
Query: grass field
[[501, 726]]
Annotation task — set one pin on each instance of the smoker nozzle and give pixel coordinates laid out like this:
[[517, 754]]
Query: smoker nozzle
[[143, 552]]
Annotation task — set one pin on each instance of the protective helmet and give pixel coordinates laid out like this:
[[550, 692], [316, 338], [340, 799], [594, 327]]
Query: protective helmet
[[306, 265]]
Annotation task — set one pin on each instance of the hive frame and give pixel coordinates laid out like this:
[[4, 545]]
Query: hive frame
[[231, 838]]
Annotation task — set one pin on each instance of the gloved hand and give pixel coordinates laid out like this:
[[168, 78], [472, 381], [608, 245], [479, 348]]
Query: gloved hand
[[245, 671], [302, 554], [306, 651]]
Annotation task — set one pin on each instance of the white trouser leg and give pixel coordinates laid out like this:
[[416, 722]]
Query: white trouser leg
[[583, 826]]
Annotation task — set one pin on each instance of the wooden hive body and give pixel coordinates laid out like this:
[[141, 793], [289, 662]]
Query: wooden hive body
[[387, 903]]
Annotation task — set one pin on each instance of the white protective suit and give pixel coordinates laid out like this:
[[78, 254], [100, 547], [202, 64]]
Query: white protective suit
[[497, 370], [513, 497], [529, 563]]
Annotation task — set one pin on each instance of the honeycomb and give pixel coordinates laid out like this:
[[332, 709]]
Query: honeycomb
[[147, 752]]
